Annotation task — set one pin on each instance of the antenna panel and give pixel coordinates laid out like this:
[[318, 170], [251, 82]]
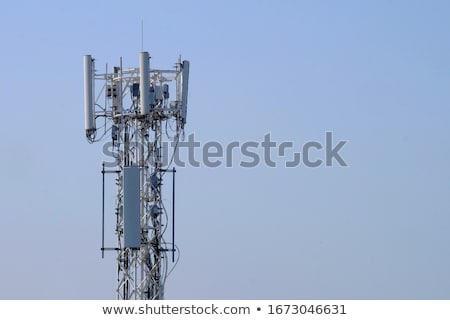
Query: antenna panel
[[184, 89], [89, 116], [131, 207], [144, 82]]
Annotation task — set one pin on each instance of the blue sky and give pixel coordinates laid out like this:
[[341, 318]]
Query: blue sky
[[375, 73]]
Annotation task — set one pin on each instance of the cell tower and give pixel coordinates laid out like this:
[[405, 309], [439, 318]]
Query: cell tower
[[135, 112]]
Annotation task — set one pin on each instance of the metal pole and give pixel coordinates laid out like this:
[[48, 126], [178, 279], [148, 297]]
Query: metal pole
[[103, 210], [173, 214]]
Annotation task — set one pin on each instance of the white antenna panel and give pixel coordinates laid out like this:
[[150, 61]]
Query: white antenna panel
[[89, 116], [184, 89], [144, 79]]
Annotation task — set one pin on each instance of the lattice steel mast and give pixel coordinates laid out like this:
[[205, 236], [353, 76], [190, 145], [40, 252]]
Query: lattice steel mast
[[136, 126]]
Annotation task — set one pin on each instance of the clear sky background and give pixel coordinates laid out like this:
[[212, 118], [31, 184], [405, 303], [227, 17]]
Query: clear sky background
[[375, 73]]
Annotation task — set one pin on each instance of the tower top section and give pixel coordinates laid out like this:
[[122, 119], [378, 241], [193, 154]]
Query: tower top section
[[141, 93]]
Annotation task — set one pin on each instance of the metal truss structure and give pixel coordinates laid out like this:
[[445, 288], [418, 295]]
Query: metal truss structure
[[135, 112]]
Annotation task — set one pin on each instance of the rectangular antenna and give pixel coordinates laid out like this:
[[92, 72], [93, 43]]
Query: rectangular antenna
[[131, 207], [89, 116], [144, 82], [184, 89]]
